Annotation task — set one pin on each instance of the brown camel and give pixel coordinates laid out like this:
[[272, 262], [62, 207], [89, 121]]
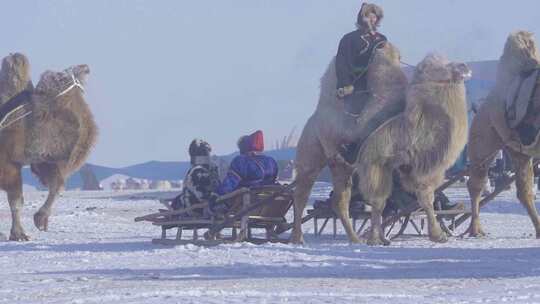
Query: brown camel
[[55, 139], [490, 131], [329, 127], [420, 144]]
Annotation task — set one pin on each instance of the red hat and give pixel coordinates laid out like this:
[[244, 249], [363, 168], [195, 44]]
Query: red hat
[[251, 143]]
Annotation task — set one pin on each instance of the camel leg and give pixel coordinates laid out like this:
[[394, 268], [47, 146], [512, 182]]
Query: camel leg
[[426, 196], [475, 185], [482, 147], [14, 191], [524, 186], [304, 183], [377, 237], [341, 179], [310, 159], [376, 186], [51, 176]]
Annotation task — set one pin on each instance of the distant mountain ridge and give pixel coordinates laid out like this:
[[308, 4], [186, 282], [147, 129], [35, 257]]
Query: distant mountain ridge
[[152, 170]]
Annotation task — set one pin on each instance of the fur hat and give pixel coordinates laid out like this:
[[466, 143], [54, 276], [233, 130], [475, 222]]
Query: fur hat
[[199, 147], [365, 10]]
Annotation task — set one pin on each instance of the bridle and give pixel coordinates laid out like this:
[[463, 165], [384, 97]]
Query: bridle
[[75, 83]]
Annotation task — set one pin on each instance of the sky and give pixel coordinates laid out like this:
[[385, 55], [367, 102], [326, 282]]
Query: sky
[[165, 72]]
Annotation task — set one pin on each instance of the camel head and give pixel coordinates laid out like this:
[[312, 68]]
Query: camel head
[[386, 54], [520, 53], [68, 81], [14, 75], [436, 68]]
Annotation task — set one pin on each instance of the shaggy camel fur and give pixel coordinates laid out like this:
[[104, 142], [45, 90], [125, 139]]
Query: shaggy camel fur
[[421, 144], [490, 132], [15, 76], [54, 140], [329, 127]]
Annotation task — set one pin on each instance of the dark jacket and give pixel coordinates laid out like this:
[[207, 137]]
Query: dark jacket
[[248, 170], [353, 57], [199, 186]]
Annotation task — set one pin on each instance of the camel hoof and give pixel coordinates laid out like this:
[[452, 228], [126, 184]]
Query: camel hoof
[[476, 231], [19, 237], [377, 242], [441, 238], [477, 234], [297, 239], [41, 221], [357, 241]]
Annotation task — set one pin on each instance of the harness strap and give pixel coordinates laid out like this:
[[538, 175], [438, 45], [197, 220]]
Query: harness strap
[[75, 83], [13, 105]]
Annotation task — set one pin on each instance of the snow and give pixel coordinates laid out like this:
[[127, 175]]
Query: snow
[[95, 253]]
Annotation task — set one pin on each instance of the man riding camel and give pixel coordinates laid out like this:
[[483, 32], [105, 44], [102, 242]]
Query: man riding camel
[[354, 55]]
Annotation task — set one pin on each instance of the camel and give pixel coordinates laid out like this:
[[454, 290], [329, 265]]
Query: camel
[[490, 131], [54, 139], [329, 127], [420, 144]]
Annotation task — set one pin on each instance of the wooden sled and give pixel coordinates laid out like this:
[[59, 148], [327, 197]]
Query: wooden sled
[[262, 207]]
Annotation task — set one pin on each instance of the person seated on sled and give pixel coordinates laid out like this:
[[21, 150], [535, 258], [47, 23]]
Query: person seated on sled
[[249, 169], [201, 180], [355, 53]]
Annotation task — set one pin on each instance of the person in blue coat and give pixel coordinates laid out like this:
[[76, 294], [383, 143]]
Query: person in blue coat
[[250, 168]]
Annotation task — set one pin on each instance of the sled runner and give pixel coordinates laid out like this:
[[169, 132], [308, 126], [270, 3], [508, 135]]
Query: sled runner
[[395, 223], [261, 207]]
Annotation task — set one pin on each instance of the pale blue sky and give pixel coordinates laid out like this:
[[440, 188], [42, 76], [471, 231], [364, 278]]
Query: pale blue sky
[[164, 72]]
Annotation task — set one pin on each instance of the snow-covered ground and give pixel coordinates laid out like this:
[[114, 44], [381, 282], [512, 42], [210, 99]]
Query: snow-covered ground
[[95, 253]]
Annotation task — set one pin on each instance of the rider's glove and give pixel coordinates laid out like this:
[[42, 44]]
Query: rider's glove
[[345, 91]]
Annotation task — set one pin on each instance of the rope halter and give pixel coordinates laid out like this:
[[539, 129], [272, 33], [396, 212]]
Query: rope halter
[[75, 82]]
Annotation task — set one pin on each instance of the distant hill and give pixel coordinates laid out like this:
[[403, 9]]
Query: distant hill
[[152, 170]]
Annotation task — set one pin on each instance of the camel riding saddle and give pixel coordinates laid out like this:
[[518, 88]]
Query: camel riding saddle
[[12, 109], [519, 97]]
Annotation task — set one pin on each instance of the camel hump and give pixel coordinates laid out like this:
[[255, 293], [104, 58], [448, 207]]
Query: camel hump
[[519, 97]]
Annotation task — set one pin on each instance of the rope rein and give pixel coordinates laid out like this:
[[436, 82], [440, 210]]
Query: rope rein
[[406, 64]]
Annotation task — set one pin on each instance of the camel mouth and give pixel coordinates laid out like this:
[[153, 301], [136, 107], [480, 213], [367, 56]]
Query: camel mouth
[[461, 72], [80, 72], [466, 75]]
